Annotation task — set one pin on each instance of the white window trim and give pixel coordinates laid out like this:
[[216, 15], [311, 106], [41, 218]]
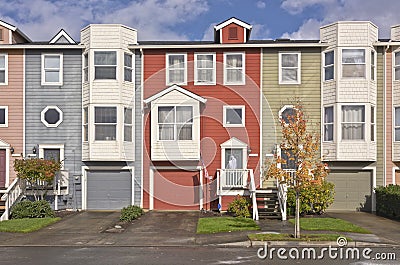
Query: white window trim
[[225, 107], [175, 124], [242, 146], [60, 73], [87, 124], [394, 124], [226, 82], [365, 62], [129, 124], [373, 66], [323, 124], [366, 123], [94, 122], [329, 65], [42, 117], [6, 117], [281, 82], [53, 146], [85, 67], [92, 54], [132, 68], [5, 69], [196, 82], [372, 124], [167, 69], [395, 66]]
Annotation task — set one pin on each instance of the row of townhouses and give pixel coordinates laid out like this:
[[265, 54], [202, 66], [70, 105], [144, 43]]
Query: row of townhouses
[[188, 125]]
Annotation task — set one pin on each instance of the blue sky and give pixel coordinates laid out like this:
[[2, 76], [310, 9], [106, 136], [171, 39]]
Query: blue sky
[[194, 19]]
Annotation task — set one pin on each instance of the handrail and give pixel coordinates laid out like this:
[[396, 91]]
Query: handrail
[[11, 196], [282, 198], [253, 195]]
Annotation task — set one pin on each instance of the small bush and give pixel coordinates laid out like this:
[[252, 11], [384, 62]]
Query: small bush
[[240, 207], [130, 213], [314, 199], [32, 209], [388, 201]]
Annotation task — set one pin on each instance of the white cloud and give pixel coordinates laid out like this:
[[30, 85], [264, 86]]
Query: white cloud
[[259, 32], [261, 4], [382, 13], [209, 33], [154, 19]]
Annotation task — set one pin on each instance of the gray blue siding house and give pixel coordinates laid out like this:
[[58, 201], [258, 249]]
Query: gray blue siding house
[[53, 112]]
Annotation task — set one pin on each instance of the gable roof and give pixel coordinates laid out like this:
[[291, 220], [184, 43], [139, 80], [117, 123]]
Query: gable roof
[[14, 28], [177, 88], [234, 142], [4, 144], [62, 35], [232, 20]]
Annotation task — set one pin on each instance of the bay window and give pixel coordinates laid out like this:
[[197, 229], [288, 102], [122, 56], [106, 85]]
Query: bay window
[[353, 122], [353, 63], [328, 124], [105, 64], [105, 123]]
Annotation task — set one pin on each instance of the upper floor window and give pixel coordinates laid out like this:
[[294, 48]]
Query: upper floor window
[[397, 66], [105, 123], [3, 69], [373, 65], [3, 116], [234, 68], [105, 65], [234, 116], [353, 122], [128, 67], [128, 122], [396, 124], [328, 124], [175, 123], [204, 69], [176, 69], [86, 67], [353, 63], [329, 65], [289, 68], [52, 70]]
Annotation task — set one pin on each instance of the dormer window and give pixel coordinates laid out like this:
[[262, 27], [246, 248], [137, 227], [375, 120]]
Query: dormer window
[[233, 33]]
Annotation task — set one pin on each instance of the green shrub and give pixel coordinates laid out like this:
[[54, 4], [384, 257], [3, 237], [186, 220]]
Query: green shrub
[[130, 213], [240, 207], [314, 199], [29, 209], [388, 201]]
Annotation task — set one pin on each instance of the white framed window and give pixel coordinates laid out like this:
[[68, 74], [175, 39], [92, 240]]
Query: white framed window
[[204, 69], [397, 124], [52, 152], [128, 122], [3, 116], [353, 122], [86, 67], [373, 123], [51, 116], [373, 65], [176, 65], [128, 67], [3, 69], [234, 68], [52, 69], [105, 123], [353, 63], [85, 123], [328, 124], [105, 65], [234, 116], [329, 65], [175, 123], [396, 66], [289, 68]]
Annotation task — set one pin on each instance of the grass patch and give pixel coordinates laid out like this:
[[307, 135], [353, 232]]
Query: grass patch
[[26, 225], [288, 237], [329, 224], [211, 225]]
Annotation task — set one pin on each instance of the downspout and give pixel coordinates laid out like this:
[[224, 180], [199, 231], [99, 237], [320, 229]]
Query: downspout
[[142, 124], [384, 114]]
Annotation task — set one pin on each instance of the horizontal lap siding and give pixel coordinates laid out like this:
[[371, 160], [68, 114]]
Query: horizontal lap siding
[[380, 164], [138, 129]]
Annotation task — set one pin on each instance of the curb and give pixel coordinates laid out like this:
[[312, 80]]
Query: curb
[[353, 244]]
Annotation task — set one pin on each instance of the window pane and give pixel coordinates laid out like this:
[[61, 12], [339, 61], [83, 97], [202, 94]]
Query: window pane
[[127, 60], [234, 75], [288, 115], [205, 75], [128, 116], [233, 60], [105, 132], [397, 58], [105, 72], [328, 132], [2, 62], [52, 76], [166, 132], [234, 158], [128, 133], [289, 60], [397, 117], [85, 133], [397, 134], [2, 116], [86, 60], [105, 58], [329, 73], [329, 58], [52, 116], [184, 114], [233, 116], [353, 131], [353, 56], [397, 73], [328, 118], [51, 154], [289, 75], [205, 61], [176, 76], [166, 115], [353, 114], [288, 156], [185, 132], [2, 76], [52, 61], [105, 115], [176, 61], [128, 74], [353, 70]]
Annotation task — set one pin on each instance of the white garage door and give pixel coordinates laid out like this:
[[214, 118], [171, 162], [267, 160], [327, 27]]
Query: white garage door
[[108, 190], [353, 190]]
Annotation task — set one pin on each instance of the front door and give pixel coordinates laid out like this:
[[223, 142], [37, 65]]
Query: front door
[[3, 162]]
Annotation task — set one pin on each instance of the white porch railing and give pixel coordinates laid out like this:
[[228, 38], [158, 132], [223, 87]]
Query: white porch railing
[[11, 196], [233, 178], [282, 197]]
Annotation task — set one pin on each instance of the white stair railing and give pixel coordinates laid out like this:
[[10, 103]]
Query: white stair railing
[[282, 197], [253, 195], [11, 196]]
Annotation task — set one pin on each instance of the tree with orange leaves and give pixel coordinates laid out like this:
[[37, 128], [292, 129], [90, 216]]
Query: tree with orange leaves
[[300, 147]]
